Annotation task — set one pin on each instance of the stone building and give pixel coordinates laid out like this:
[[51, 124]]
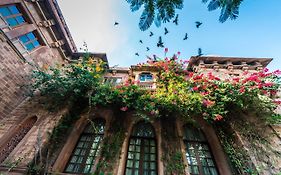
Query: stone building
[[34, 35]]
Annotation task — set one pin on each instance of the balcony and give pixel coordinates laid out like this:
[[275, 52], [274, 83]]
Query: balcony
[[150, 85]]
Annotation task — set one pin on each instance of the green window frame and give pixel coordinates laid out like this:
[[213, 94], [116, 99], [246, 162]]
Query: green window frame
[[87, 148], [12, 15], [142, 151], [198, 153]]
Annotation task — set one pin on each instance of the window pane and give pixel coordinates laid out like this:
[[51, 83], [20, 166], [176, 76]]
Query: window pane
[[145, 77], [14, 9], [198, 154], [143, 141], [12, 22], [4, 11], [20, 19], [129, 172], [24, 38], [29, 46], [130, 163], [30, 36], [86, 151], [143, 129]]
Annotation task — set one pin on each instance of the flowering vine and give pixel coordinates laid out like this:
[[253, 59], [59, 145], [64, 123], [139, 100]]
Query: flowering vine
[[178, 90]]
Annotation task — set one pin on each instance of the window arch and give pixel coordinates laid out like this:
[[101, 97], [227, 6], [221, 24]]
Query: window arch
[[87, 148], [198, 154], [15, 139], [142, 151]]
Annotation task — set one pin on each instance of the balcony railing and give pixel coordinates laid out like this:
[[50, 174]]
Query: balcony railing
[[147, 85]]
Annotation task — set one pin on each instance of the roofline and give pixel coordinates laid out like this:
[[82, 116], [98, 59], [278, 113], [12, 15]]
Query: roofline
[[57, 13], [263, 61]]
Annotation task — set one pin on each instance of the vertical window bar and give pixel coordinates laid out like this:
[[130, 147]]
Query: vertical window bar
[[142, 152], [198, 154], [86, 149]]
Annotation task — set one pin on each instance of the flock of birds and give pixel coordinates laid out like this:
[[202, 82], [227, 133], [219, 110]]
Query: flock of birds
[[160, 43]]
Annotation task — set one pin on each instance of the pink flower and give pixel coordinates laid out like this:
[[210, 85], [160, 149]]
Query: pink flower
[[218, 117], [278, 102], [125, 108], [268, 84], [265, 69], [242, 90], [166, 50], [277, 72], [195, 88], [273, 92], [208, 103], [179, 53]]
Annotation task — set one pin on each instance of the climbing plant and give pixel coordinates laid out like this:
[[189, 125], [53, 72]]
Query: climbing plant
[[179, 91]]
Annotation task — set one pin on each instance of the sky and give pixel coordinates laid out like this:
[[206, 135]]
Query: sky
[[255, 33]]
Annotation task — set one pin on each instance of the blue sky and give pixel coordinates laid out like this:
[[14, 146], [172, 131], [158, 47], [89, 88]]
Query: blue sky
[[256, 32]]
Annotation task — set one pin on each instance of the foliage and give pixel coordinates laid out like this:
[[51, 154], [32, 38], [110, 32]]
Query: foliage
[[111, 146], [179, 91], [176, 165], [76, 81], [165, 10]]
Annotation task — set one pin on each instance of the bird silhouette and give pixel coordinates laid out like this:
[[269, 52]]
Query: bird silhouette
[[137, 54], [200, 52], [176, 19], [198, 24], [116, 23], [185, 36], [166, 31], [160, 42], [147, 49], [141, 41], [151, 34]]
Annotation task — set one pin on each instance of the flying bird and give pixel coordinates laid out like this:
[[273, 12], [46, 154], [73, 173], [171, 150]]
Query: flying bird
[[160, 42], [185, 36], [198, 24], [176, 19], [151, 34], [200, 52], [166, 31], [147, 49], [141, 41], [116, 23], [137, 54]]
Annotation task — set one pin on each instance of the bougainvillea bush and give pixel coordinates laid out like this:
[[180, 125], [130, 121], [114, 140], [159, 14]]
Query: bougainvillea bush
[[178, 90]]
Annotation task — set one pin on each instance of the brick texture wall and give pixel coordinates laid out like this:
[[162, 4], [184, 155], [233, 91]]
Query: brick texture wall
[[13, 74]]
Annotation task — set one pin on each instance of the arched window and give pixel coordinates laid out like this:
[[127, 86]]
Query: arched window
[[198, 154], [19, 134], [87, 148], [142, 151]]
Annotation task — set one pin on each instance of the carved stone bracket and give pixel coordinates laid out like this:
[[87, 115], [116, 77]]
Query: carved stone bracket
[[57, 43], [47, 23]]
